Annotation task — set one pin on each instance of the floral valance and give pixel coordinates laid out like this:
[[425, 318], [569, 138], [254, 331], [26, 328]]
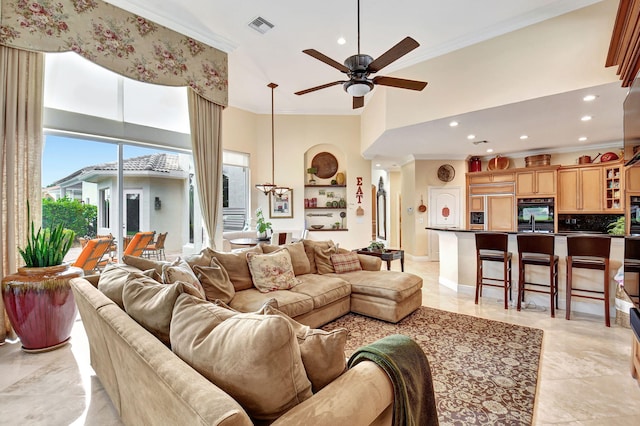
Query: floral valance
[[118, 40]]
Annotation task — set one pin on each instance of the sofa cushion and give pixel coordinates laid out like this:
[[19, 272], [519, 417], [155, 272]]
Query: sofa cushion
[[345, 262], [215, 282], [309, 249], [299, 258], [150, 303], [188, 311], [323, 289], [114, 276], [179, 270], [254, 358], [289, 302], [323, 257], [273, 271], [322, 351], [201, 259], [392, 285], [144, 264], [235, 264]]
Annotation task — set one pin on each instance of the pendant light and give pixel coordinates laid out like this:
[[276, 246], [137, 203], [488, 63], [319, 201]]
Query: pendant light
[[268, 188]]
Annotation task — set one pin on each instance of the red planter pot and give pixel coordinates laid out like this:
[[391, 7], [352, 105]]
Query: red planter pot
[[40, 305]]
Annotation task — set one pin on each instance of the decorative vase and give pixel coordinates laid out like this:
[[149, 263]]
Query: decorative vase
[[340, 178], [262, 235], [41, 306]]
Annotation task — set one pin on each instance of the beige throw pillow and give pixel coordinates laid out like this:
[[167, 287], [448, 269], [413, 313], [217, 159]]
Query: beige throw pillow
[[179, 270], [235, 263], [299, 258], [215, 282], [345, 262], [114, 276], [322, 351], [151, 303], [254, 358], [144, 264], [273, 271], [323, 257], [201, 259]]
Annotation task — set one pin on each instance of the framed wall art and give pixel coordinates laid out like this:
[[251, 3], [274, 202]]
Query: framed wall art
[[281, 206]]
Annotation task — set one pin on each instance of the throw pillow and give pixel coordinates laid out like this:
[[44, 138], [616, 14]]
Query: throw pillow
[[201, 259], [235, 263], [299, 258], [273, 271], [179, 270], [309, 249], [193, 319], [215, 282], [254, 358], [323, 258], [114, 276], [322, 351], [346, 262], [143, 264], [150, 303]]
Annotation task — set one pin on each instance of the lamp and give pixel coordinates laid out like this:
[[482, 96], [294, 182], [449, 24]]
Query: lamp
[[358, 88], [268, 188]]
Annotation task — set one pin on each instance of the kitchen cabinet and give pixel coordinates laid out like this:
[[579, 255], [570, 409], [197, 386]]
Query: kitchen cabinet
[[580, 189], [613, 187], [501, 213], [490, 177], [325, 205], [476, 203], [632, 175], [538, 182]]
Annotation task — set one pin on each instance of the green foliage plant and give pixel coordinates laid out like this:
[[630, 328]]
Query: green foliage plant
[[261, 224], [617, 227], [47, 247], [77, 216], [376, 246]]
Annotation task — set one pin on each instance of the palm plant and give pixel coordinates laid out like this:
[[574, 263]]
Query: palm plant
[[46, 247]]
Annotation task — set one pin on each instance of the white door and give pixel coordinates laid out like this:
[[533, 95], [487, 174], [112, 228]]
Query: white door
[[444, 211]]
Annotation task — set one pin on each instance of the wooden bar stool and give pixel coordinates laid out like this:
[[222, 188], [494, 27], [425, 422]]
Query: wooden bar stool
[[588, 252], [492, 247], [632, 265], [537, 249]]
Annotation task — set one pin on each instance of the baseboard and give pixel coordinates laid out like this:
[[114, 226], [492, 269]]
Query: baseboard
[[417, 258], [448, 283]]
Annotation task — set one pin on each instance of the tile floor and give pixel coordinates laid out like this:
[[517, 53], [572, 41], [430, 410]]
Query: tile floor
[[584, 374]]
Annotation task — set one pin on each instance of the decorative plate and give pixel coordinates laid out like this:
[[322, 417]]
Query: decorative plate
[[446, 172], [326, 164]]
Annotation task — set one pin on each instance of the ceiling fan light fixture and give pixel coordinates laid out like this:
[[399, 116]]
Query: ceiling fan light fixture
[[358, 88]]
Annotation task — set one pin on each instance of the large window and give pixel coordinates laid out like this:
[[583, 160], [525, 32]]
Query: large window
[[235, 191]]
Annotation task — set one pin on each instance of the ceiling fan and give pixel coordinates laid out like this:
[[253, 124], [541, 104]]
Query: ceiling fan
[[359, 68]]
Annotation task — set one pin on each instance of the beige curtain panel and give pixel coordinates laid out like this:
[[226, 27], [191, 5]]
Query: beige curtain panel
[[22, 81], [118, 40], [206, 140]]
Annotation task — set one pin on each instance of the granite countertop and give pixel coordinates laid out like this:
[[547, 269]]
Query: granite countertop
[[557, 234]]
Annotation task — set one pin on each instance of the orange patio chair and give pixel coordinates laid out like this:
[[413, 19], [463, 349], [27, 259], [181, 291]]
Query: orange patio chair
[[92, 253], [138, 243], [156, 248]]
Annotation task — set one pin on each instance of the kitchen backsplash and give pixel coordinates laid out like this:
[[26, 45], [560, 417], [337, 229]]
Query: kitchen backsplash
[[585, 222]]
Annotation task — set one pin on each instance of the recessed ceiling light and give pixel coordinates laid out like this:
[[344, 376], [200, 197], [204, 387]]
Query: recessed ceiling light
[[489, 150], [453, 124], [341, 40], [586, 118], [378, 165], [523, 137], [582, 138], [589, 98], [470, 137]]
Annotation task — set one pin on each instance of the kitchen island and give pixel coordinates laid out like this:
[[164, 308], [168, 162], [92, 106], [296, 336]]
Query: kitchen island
[[457, 249]]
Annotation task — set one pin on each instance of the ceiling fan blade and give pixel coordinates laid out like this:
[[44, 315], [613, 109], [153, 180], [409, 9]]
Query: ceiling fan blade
[[358, 102], [399, 82], [324, 86], [327, 60], [396, 52]]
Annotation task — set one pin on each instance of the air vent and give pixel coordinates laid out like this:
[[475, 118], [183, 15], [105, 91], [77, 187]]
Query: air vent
[[261, 25], [479, 142]]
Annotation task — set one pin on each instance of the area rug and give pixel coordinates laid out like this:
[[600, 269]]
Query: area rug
[[485, 372]]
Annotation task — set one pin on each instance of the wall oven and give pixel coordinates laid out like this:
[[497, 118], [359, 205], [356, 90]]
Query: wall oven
[[536, 215], [634, 215]]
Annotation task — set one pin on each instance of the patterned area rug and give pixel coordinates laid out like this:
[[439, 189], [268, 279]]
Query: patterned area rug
[[485, 372]]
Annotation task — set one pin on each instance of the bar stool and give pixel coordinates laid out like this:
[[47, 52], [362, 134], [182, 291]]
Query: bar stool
[[536, 249], [492, 247], [588, 252], [632, 264]]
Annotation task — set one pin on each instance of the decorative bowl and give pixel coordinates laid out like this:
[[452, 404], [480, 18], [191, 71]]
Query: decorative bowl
[[317, 226]]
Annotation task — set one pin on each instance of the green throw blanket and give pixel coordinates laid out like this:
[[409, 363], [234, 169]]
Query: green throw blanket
[[408, 368]]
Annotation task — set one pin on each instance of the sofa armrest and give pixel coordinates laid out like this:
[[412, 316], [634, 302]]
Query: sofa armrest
[[370, 263], [362, 395]]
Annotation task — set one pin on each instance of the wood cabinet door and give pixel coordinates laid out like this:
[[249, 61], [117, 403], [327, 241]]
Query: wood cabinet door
[[568, 190], [525, 183], [546, 182], [633, 178], [501, 213], [591, 190], [476, 204]]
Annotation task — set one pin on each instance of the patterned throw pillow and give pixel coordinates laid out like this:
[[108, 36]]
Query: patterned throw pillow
[[272, 271], [346, 262]]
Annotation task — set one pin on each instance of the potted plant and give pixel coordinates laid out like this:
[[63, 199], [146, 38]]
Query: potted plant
[[312, 171], [377, 246], [261, 225], [617, 227], [38, 298]]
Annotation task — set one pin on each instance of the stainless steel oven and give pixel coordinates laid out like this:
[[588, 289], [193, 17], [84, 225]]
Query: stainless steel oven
[[634, 215], [536, 215]]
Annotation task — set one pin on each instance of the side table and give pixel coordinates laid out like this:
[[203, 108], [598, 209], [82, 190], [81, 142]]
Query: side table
[[388, 255]]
